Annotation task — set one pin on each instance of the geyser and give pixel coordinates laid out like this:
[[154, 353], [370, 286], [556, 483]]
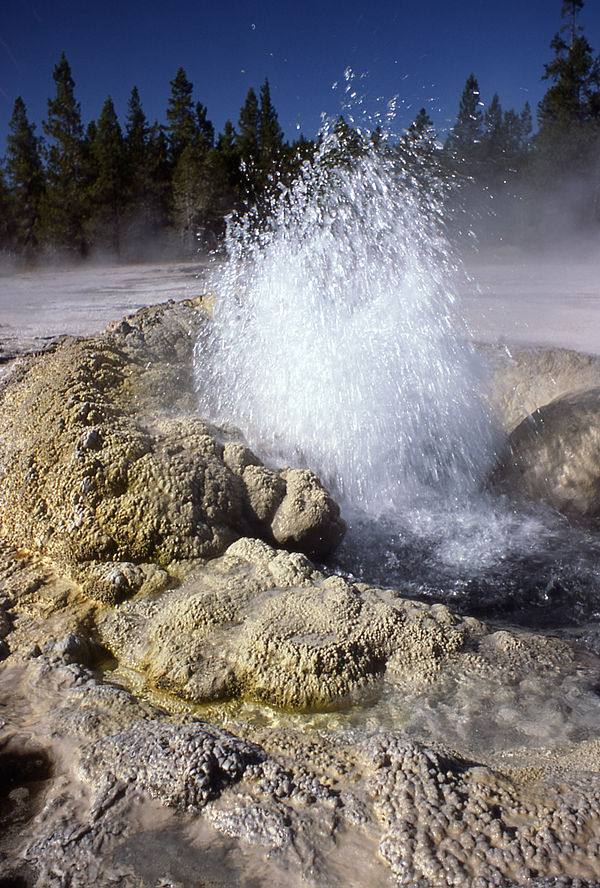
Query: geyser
[[335, 341]]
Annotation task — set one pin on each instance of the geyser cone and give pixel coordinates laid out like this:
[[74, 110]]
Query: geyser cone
[[334, 341]]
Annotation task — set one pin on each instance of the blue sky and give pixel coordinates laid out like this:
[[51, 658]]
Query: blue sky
[[420, 52]]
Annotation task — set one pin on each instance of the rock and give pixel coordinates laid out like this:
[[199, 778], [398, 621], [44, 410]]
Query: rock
[[182, 765], [97, 470], [554, 456], [450, 821], [307, 518], [266, 625], [525, 378]]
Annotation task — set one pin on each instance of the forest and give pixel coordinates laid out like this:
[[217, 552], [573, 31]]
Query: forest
[[143, 189]]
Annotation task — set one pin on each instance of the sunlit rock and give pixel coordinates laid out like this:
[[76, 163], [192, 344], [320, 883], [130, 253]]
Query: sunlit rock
[[554, 456], [267, 626], [101, 462]]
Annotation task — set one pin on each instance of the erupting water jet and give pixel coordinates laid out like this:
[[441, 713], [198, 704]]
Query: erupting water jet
[[335, 341]]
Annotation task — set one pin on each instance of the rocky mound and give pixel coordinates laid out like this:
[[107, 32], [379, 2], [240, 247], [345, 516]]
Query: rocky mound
[[525, 378], [102, 473], [554, 456], [267, 626]]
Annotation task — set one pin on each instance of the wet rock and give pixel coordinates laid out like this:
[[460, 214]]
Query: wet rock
[[554, 456], [75, 648], [182, 765], [451, 821], [525, 378], [114, 581], [308, 518]]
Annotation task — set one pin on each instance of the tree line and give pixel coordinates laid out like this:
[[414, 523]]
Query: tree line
[[114, 189], [543, 184], [111, 189]]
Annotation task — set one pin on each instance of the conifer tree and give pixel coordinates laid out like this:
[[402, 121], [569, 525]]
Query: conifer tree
[[204, 128], [136, 134], [270, 135], [182, 121], [574, 96], [526, 128], [466, 135], [63, 209], [108, 194], [158, 193], [569, 112], [225, 163], [493, 136], [418, 143], [25, 176], [249, 124], [270, 138], [135, 146], [189, 194], [422, 125], [7, 231], [148, 178]]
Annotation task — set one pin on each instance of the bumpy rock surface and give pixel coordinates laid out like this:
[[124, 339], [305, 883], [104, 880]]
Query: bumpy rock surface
[[92, 474], [90, 767], [455, 822], [554, 456], [267, 625]]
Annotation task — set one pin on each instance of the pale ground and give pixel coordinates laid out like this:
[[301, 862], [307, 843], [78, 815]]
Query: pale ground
[[546, 300], [512, 298], [43, 304]]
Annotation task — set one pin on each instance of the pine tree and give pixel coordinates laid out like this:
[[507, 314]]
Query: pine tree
[[7, 226], [270, 135], [513, 133], [225, 163], [494, 133], [108, 193], [182, 121], [270, 140], [418, 145], [136, 151], [569, 112], [25, 176], [189, 194], [136, 134], [204, 128], [574, 96], [422, 126], [148, 180], [249, 124], [466, 134], [63, 208], [526, 128], [158, 192], [570, 8]]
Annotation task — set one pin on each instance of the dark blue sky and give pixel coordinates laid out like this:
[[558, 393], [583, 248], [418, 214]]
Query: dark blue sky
[[421, 52]]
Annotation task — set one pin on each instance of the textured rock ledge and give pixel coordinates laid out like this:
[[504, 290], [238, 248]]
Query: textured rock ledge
[[104, 468], [108, 791]]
